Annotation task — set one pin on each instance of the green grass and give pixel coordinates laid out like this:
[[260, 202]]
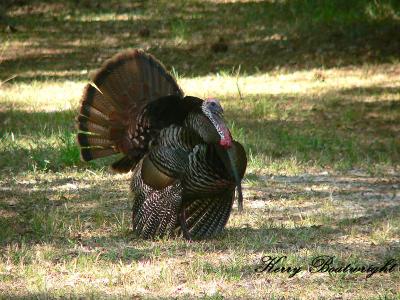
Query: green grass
[[309, 87], [261, 36]]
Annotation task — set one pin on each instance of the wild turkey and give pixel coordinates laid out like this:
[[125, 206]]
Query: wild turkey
[[185, 163]]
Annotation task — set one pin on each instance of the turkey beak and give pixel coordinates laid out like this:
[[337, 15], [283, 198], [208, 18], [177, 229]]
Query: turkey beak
[[238, 180]]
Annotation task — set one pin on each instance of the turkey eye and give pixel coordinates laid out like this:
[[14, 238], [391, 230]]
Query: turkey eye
[[213, 104]]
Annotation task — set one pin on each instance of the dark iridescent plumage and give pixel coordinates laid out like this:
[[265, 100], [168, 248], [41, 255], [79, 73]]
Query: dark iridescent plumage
[[185, 163]]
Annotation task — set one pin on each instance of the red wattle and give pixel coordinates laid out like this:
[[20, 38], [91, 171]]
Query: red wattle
[[226, 142]]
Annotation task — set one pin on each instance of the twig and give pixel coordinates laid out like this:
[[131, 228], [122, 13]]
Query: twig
[[8, 79], [237, 82]]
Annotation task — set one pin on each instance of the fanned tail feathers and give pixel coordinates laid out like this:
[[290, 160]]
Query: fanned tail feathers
[[112, 102]]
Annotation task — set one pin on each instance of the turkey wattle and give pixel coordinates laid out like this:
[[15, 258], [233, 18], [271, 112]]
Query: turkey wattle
[[185, 162]]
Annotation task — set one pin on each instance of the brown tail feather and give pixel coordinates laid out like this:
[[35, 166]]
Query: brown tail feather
[[88, 154], [89, 113], [112, 102], [94, 128], [86, 140]]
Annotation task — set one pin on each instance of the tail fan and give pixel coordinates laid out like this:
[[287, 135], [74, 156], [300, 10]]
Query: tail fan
[[112, 102]]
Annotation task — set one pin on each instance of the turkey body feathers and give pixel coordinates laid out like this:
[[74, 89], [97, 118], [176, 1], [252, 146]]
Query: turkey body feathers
[[185, 163], [206, 189]]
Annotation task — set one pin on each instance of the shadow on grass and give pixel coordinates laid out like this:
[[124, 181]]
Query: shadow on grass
[[49, 209], [79, 217], [81, 222], [338, 129], [40, 141], [260, 36]]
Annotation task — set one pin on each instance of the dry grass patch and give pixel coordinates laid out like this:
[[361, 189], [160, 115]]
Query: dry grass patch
[[74, 239]]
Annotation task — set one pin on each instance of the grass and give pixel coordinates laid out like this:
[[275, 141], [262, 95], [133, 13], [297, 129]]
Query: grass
[[309, 87]]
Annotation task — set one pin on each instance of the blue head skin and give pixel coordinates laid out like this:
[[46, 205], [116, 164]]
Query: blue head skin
[[214, 112]]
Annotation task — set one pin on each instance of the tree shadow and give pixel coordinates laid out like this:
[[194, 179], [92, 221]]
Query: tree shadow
[[259, 36], [328, 127], [42, 207], [41, 141], [322, 129]]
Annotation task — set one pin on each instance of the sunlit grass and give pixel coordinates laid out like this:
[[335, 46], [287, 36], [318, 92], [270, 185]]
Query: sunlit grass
[[73, 239], [310, 88], [66, 225], [284, 120]]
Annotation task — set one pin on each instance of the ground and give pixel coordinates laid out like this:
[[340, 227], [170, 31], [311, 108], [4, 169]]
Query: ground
[[310, 88]]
